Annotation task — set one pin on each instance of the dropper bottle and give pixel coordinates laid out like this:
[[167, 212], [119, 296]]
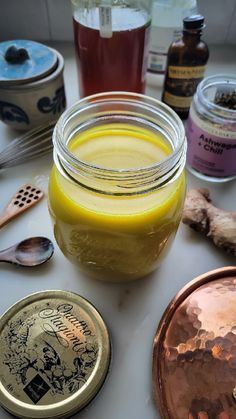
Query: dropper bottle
[[186, 63]]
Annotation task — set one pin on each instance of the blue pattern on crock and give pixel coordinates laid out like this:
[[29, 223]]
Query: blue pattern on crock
[[55, 105], [12, 113]]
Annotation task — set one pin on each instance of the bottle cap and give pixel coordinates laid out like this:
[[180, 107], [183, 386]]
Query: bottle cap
[[194, 22], [55, 353]]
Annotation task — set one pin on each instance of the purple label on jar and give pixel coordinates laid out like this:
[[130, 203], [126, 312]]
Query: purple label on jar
[[210, 154]]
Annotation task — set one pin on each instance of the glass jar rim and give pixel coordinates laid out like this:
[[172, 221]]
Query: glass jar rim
[[209, 105], [109, 96], [152, 176]]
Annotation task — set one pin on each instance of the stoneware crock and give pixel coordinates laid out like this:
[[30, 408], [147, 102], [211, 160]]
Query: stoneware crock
[[31, 84]]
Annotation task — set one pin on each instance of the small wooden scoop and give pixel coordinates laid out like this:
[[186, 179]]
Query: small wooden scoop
[[27, 196]]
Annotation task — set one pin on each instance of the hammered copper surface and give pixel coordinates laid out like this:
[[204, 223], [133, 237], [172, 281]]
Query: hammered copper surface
[[194, 358]]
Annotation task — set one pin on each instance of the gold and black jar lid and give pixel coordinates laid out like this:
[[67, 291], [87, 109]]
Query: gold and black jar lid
[[55, 354]]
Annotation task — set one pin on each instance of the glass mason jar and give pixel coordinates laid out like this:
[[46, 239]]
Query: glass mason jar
[[117, 187], [111, 44], [211, 129]]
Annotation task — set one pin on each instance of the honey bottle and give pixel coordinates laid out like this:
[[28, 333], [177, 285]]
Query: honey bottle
[[186, 62]]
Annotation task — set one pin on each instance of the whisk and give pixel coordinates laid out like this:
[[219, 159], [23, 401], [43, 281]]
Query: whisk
[[33, 144]]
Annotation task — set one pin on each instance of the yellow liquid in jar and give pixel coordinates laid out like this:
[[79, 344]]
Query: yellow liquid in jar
[[112, 237]]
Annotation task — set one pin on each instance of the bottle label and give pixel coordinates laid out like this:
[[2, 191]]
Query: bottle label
[[181, 84], [211, 150], [157, 62], [105, 21], [161, 38], [181, 102], [175, 72]]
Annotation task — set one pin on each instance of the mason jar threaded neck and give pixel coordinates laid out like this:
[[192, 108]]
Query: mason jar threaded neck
[[126, 108], [205, 97]]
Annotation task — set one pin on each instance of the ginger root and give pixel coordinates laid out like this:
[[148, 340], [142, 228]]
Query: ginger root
[[217, 224]]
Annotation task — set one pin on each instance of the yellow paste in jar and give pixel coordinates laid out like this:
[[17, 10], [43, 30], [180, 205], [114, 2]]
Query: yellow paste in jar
[[111, 237]]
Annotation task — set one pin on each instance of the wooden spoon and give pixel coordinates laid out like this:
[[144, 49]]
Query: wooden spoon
[[30, 252], [26, 197]]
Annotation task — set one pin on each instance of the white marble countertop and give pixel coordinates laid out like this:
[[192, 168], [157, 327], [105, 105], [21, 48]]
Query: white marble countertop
[[132, 311]]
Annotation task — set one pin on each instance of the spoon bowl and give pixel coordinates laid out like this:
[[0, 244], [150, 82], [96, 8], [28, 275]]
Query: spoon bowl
[[33, 251]]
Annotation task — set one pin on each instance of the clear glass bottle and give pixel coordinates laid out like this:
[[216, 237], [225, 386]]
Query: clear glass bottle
[[186, 63], [211, 129], [117, 188], [111, 44], [167, 23]]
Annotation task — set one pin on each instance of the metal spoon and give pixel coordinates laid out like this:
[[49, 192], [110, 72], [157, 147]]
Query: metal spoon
[[30, 252]]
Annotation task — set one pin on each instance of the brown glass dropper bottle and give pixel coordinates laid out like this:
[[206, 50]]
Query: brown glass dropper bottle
[[186, 61]]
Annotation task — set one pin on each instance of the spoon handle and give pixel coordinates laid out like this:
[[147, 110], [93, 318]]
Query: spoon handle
[[26, 197], [7, 255]]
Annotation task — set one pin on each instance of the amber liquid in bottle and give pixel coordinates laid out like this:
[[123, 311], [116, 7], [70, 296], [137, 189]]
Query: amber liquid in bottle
[[115, 63], [186, 61]]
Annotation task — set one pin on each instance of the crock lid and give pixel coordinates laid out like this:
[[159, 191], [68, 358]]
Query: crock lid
[[23, 61], [194, 354], [54, 357]]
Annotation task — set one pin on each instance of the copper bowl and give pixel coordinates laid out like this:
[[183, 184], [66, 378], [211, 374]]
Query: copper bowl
[[194, 353]]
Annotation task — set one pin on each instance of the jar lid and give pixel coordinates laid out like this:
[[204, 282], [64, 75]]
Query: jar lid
[[23, 61], [55, 354], [194, 354]]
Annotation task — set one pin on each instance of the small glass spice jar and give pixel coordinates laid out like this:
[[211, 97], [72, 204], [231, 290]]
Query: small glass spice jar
[[211, 129], [117, 188]]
